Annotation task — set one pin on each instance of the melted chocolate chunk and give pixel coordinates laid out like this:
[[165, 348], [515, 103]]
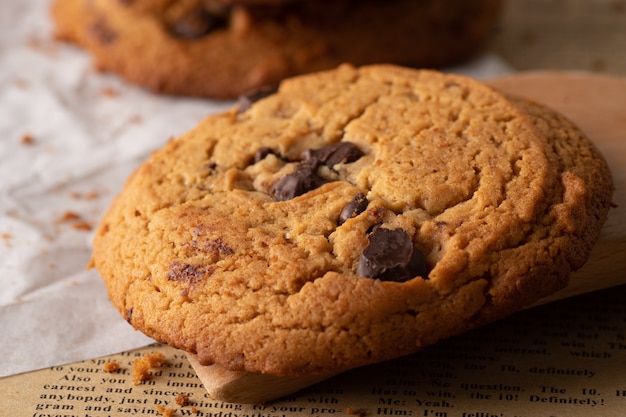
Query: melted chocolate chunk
[[262, 153], [357, 205], [129, 315], [335, 153], [305, 178], [188, 273], [391, 256], [302, 179], [197, 23], [244, 102]]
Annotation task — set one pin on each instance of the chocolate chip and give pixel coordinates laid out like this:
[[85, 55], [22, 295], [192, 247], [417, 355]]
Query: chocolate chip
[[357, 205], [305, 178], [217, 246], [391, 256], [197, 23], [262, 153], [335, 153], [188, 273], [244, 102], [129, 315], [302, 179]]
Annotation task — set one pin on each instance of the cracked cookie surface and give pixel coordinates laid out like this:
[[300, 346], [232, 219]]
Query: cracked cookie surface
[[426, 204], [214, 49]]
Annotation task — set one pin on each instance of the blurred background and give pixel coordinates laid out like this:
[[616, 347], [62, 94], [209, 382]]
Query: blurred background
[[585, 35]]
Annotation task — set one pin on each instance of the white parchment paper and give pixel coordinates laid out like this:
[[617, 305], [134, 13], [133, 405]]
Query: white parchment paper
[[69, 137]]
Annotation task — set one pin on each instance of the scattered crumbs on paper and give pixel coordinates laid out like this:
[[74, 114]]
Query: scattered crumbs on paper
[[155, 359], [82, 225], [87, 196], [142, 366], [355, 412], [68, 216], [141, 371], [27, 139], [182, 399], [167, 412], [6, 238], [111, 367], [75, 220]]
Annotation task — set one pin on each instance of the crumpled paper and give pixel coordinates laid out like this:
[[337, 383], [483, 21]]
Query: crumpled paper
[[69, 138]]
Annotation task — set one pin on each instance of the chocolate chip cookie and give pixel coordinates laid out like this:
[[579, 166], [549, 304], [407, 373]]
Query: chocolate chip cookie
[[350, 217], [215, 49]]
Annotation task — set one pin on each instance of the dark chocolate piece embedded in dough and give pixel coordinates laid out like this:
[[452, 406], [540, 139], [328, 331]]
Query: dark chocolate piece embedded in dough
[[197, 23], [391, 256], [333, 154], [301, 180], [357, 205]]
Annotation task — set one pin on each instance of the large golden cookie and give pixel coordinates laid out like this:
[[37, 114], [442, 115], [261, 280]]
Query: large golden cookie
[[354, 216]]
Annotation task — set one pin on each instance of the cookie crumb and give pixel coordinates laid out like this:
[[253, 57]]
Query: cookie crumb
[[81, 225], [141, 366], [7, 239], [195, 410], [167, 412], [354, 412], [111, 367], [109, 92], [68, 216], [88, 196], [91, 195], [155, 359], [27, 139], [77, 222], [182, 399], [141, 371]]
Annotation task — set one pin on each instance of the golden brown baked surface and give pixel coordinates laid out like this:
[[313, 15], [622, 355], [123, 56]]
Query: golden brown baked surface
[[212, 49], [354, 216]]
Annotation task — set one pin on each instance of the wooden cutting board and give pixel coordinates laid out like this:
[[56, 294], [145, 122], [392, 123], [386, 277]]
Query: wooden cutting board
[[597, 104]]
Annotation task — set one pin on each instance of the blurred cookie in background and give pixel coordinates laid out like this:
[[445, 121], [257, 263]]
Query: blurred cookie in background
[[222, 49]]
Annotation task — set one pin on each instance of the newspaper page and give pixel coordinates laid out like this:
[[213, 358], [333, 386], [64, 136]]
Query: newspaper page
[[565, 359]]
